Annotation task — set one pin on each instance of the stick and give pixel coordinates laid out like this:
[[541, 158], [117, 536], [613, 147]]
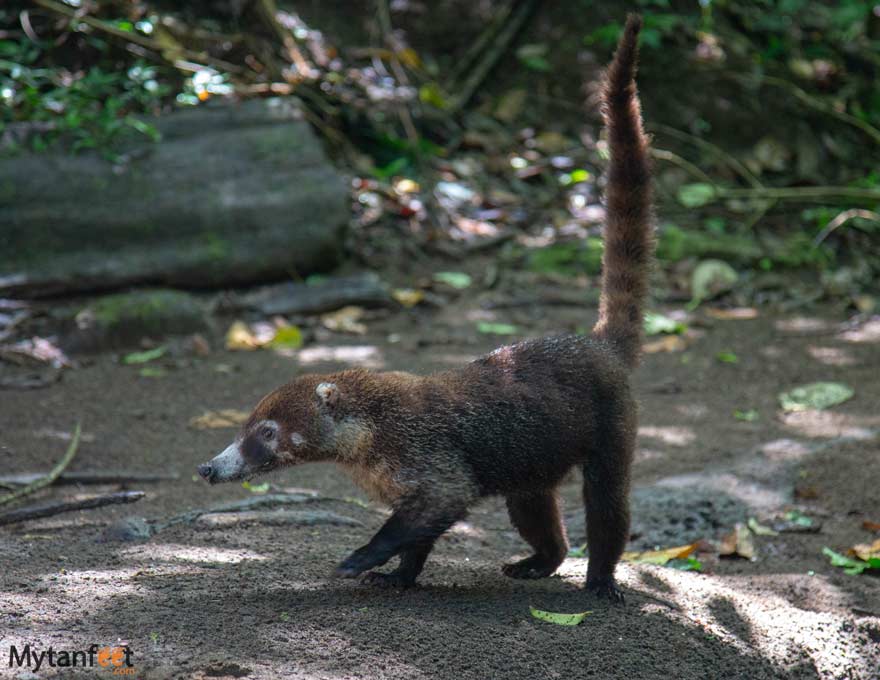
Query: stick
[[51, 477], [493, 54], [49, 509], [845, 216], [85, 477]]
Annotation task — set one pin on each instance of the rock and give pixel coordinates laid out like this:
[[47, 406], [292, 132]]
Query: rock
[[326, 296], [124, 318], [128, 529], [232, 194]]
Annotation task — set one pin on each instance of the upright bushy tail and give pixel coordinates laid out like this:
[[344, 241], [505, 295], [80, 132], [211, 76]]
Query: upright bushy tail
[[629, 235]]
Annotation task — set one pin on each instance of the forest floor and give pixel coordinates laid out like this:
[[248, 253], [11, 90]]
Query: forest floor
[[211, 599]]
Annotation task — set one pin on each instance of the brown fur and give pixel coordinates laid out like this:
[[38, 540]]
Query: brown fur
[[512, 423]]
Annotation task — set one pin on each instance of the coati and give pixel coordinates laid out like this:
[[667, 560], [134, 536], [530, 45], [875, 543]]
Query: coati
[[512, 423]]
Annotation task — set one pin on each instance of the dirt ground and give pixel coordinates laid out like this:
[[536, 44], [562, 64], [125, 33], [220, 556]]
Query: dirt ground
[[209, 600]]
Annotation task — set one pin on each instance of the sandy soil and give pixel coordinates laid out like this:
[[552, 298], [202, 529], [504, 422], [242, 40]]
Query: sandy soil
[[217, 601]]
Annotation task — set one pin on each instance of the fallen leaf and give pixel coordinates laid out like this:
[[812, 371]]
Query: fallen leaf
[[497, 328], [144, 357], [711, 278], [727, 357], [806, 492], [865, 551], [287, 337], [240, 337], [35, 351], [224, 418], [815, 396], [851, 566], [794, 522], [152, 372], [760, 529], [655, 324], [408, 297], [734, 314], [686, 564], [345, 320], [748, 416], [661, 557], [457, 280], [668, 343], [868, 525], [256, 488], [738, 543], [559, 619]]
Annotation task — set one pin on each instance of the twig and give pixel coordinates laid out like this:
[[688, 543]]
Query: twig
[[711, 149], [843, 217], [51, 477], [482, 69], [140, 40], [803, 193], [808, 99], [499, 17], [49, 509], [96, 477], [675, 159]]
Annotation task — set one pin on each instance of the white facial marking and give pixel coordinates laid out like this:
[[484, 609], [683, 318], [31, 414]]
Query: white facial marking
[[228, 464], [324, 390], [297, 439]]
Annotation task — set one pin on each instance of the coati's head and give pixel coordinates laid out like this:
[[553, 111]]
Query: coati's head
[[300, 422]]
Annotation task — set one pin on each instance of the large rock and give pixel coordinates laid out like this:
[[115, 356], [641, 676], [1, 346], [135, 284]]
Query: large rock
[[232, 194]]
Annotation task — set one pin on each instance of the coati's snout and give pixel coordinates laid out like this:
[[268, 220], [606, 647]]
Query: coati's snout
[[245, 457]]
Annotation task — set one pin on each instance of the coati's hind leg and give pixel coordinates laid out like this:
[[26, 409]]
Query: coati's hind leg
[[412, 560], [606, 497], [536, 516]]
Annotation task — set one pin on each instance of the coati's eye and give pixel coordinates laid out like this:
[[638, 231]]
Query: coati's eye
[[267, 433]]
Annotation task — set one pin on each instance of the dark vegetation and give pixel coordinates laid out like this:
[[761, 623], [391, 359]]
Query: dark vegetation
[[466, 120]]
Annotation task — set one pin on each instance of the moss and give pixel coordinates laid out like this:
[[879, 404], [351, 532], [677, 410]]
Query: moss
[[128, 316]]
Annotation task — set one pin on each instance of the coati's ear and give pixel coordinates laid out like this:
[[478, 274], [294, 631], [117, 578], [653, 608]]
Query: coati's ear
[[328, 394]]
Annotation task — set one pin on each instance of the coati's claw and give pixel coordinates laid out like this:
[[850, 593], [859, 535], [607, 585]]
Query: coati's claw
[[606, 588], [530, 568], [391, 580]]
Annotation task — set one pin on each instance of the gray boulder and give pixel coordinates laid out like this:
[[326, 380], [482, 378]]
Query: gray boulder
[[232, 194]]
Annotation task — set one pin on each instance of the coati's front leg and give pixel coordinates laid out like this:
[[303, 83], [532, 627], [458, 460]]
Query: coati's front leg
[[536, 516], [410, 531], [412, 560]]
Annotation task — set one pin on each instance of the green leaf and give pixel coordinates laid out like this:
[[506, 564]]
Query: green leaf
[[152, 372], [798, 518], [849, 565], [655, 324], [815, 396], [256, 488], [430, 93], [686, 564], [559, 619], [748, 416], [727, 357], [696, 195], [287, 337], [458, 280], [144, 357], [497, 328], [580, 551]]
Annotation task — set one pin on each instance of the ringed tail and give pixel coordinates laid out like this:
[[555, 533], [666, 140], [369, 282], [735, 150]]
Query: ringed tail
[[629, 234]]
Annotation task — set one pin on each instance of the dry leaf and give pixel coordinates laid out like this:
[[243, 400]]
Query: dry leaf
[[738, 543], [240, 337], [668, 343], [868, 525], [661, 557], [865, 551], [408, 297], [224, 418], [345, 320], [733, 314], [35, 351]]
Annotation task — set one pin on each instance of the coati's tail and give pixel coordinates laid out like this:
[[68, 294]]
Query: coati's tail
[[629, 238]]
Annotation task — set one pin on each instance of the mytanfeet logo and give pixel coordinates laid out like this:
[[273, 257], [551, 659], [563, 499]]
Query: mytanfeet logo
[[115, 659]]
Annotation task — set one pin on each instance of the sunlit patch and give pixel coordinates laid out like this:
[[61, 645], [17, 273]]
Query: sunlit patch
[[672, 435], [467, 530], [643, 454], [867, 332], [175, 552], [367, 356], [803, 324], [784, 450], [455, 359], [752, 493], [831, 425], [695, 411], [832, 356]]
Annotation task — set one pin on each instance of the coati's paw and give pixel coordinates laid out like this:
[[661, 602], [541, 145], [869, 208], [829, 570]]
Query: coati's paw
[[606, 587], [535, 566], [391, 580]]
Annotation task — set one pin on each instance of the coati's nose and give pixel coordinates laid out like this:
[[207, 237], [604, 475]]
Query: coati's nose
[[206, 472]]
